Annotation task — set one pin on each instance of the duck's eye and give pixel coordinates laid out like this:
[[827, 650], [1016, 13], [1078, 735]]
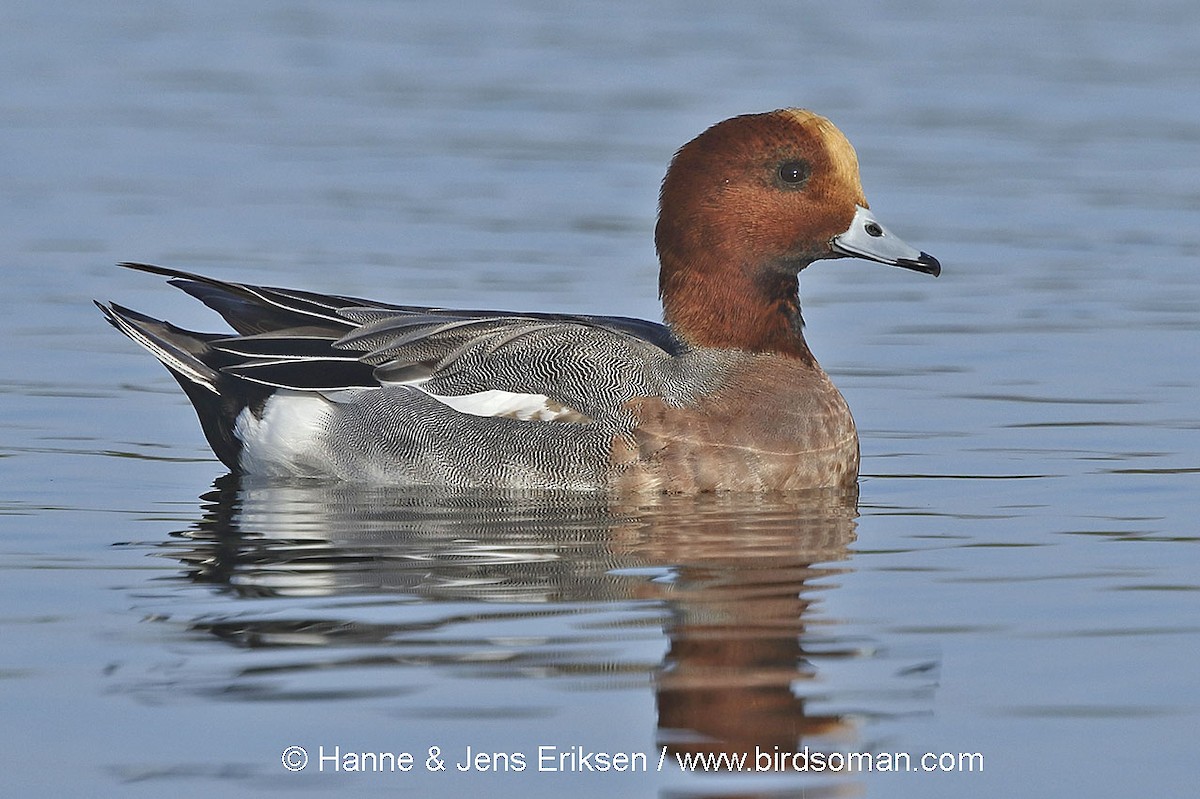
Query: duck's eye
[[794, 173]]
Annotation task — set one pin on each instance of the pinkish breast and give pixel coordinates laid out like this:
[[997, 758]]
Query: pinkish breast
[[775, 424]]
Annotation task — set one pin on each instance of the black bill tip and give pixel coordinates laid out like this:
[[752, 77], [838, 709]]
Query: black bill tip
[[923, 263]]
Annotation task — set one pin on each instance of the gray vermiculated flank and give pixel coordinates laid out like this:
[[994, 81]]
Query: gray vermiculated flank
[[397, 432]]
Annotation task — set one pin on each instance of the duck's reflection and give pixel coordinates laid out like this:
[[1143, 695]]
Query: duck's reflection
[[731, 580], [745, 580]]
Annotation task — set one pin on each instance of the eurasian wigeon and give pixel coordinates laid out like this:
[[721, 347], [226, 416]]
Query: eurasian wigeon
[[726, 396]]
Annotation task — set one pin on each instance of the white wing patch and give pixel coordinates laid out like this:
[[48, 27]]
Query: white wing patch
[[526, 407]]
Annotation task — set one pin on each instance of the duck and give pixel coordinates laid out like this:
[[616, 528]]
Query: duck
[[723, 396]]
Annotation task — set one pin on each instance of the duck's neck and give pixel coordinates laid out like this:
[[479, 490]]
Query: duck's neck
[[750, 309]]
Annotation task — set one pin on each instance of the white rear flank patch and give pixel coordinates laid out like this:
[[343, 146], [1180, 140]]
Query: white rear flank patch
[[526, 407], [289, 439]]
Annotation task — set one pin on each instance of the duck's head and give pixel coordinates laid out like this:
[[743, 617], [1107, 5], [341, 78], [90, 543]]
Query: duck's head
[[744, 207]]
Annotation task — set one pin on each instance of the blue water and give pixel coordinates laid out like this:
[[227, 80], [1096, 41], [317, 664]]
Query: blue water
[[1017, 578]]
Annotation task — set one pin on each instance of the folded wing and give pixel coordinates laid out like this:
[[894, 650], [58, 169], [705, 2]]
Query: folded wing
[[586, 365]]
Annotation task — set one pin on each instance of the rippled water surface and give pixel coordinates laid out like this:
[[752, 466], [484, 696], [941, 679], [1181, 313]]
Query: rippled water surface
[[1016, 578]]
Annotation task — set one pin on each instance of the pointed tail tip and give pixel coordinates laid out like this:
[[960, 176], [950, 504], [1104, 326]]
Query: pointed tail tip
[[110, 315]]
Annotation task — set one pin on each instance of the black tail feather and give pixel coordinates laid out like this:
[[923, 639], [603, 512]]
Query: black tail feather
[[251, 309], [217, 397]]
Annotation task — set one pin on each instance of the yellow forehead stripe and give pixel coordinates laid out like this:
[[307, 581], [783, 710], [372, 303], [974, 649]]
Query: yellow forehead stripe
[[842, 157]]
